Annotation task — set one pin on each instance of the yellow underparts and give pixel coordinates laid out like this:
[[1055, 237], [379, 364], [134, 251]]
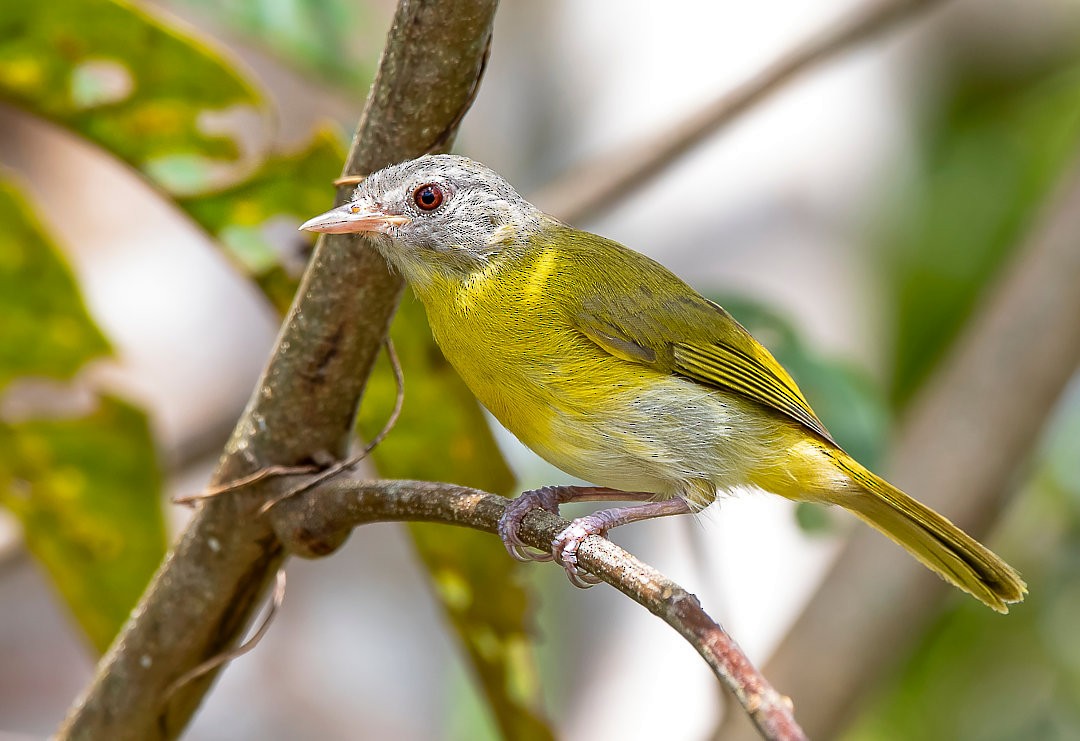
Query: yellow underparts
[[603, 419]]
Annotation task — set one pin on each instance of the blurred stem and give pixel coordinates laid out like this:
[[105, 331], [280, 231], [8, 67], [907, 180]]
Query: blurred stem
[[966, 436], [588, 189], [302, 409], [317, 522]]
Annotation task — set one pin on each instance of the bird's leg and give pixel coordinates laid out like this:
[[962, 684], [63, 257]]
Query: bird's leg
[[549, 498], [565, 545]]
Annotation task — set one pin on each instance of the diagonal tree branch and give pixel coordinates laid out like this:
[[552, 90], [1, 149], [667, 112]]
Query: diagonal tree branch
[[317, 522], [587, 189], [302, 410], [966, 436]]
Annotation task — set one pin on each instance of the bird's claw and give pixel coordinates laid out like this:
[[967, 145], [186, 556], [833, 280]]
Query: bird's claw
[[565, 545], [544, 498]]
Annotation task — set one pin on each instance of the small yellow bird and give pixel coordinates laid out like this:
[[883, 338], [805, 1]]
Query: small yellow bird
[[613, 369]]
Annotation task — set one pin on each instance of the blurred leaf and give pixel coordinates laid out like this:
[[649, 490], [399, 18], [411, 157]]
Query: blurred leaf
[[44, 328], [142, 91], [86, 488], [255, 221], [849, 404], [126, 81], [987, 162], [813, 518], [1062, 464], [338, 39], [985, 165], [442, 435], [87, 491]]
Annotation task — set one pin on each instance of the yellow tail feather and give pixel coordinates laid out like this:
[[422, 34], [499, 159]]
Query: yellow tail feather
[[936, 542]]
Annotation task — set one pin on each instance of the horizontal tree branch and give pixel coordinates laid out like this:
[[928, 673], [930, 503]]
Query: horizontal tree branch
[[318, 521], [589, 188]]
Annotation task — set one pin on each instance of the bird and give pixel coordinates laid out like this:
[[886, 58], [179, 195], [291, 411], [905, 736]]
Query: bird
[[615, 370]]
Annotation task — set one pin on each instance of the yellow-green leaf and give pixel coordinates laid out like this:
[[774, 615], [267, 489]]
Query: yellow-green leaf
[[44, 328], [85, 486], [87, 493], [161, 101], [128, 82]]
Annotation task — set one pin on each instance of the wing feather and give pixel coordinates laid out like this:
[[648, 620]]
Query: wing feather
[[720, 367], [708, 347], [643, 313]]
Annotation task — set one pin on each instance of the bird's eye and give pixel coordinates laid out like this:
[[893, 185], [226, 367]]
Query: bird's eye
[[428, 197]]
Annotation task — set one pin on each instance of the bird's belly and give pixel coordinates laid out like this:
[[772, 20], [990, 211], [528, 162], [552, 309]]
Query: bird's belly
[[645, 431], [673, 437]]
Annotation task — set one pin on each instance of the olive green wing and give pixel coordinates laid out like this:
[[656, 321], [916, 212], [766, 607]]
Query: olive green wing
[[685, 334]]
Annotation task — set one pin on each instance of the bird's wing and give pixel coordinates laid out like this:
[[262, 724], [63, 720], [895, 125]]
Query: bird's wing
[[690, 336]]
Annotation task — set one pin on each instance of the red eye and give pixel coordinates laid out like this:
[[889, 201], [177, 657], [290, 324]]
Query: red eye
[[428, 197]]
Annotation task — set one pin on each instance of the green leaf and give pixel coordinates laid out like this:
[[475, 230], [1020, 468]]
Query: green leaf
[[127, 82], [87, 491], [977, 675], [44, 327], [986, 164], [255, 221], [974, 675], [442, 435], [149, 95]]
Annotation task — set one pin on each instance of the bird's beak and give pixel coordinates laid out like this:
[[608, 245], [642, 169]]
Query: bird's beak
[[352, 218]]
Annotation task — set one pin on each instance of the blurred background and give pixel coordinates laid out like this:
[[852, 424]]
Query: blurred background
[[854, 221]]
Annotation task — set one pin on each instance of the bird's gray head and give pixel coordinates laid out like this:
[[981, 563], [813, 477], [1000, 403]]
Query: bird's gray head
[[435, 212]]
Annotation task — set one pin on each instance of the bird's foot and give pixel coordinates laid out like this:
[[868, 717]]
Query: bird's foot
[[565, 545], [547, 498]]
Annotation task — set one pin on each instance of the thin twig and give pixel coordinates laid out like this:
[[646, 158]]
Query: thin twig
[[334, 470], [587, 189], [274, 471], [276, 601], [253, 478], [314, 524]]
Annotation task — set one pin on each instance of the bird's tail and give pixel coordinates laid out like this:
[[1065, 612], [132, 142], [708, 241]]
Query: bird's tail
[[936, 542]]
